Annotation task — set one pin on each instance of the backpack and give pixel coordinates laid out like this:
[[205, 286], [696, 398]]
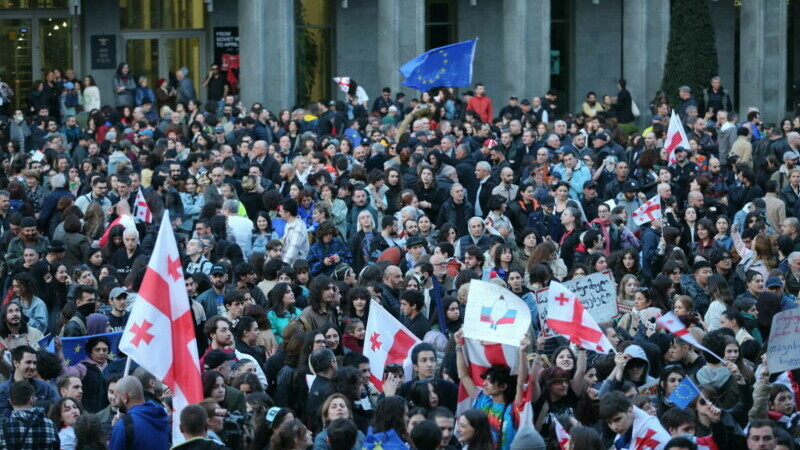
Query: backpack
[[80, 323], [127, 421]]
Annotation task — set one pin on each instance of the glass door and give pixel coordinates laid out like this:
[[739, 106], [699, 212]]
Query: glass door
[[142, 57], [185, 52], [55, 43], [16, 65], [159, 56]]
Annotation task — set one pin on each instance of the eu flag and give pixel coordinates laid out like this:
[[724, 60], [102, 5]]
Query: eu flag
[[684, 393], [450, 65], [74, 348]]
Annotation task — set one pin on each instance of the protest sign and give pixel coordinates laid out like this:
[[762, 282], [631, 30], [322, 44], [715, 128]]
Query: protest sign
[[598, 295], [783, 350], [495, 314]]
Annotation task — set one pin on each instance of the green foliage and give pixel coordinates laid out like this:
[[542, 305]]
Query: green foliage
[[306, 54], [691, 52]]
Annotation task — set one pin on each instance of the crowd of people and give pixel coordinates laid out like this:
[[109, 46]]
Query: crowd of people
[[291, 223]]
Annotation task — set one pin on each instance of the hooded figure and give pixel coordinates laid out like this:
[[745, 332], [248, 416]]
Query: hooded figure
[[475, 236], [636, 370]]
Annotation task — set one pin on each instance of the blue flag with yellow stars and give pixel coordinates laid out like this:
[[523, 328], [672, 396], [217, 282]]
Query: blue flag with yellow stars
[[74, 348], [450, 65], [684, 393]]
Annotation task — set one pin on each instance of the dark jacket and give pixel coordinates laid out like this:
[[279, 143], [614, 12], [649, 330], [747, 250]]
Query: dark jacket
[[650, 240], [319, 251], [457, 215], [200, 443], [623, 107], [44, 392]]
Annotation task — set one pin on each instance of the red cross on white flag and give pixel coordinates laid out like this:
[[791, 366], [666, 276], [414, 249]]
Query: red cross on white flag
[[567, 317], [648, 212], [676, 137], [159, 334], [387, 342], [674, 325], [143, 212]]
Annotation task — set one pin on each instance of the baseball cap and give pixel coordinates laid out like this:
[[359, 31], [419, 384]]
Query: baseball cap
[[590, 184], [656, 118], [489, 143], [216, 358], [218, 270], [525, 102], [219, 129], [118, 292], [69, 85], [789, 156], [773, 282], [630, 186], [681, 149]]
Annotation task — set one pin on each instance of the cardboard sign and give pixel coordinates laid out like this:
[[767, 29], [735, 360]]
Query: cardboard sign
[[783, 350], [598, 294], [495, 314]]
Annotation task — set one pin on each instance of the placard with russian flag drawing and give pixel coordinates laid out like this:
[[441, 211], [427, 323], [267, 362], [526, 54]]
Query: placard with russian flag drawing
[[495, 314], [387, 342]]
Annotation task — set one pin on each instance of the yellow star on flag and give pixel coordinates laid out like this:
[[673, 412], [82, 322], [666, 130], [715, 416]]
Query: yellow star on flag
[[77, 349], [67, 361]]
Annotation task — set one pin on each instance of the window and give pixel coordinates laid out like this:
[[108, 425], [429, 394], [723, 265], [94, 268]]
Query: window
[[440, 23], [313, 49], [161, 14], [33, 4]]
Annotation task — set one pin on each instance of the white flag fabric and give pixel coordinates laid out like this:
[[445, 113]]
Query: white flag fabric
[[495, 314], [676, 137], [567, 316], [344, 85], [386, 342], [143, 212], [671, 323], [648, 212], [648, 433], [159, 334]]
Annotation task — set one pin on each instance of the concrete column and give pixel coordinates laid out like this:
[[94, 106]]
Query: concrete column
[[401, 37], [762, 67], [526, 48], [644, 49], [267, 52]]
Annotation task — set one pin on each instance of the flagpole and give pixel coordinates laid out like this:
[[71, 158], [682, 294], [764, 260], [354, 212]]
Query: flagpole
[[127, 366]]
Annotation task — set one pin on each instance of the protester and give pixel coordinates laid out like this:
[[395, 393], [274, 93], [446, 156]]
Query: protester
[[326, 227]]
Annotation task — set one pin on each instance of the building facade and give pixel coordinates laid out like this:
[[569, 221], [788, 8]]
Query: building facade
[[287, 51]]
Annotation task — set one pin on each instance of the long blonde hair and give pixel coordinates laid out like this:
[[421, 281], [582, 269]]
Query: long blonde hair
[[621, 289]]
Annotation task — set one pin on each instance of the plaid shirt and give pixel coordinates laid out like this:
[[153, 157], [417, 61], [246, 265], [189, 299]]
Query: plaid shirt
[[29, 429]]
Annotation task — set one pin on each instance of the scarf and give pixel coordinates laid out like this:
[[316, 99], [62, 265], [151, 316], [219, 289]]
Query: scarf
[[605, 228]]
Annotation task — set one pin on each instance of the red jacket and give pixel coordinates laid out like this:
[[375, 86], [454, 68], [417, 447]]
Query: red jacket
[[482, 106]]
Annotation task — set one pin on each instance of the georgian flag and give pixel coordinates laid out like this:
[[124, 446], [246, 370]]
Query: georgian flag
[[561, 435], [567, 317], [387, 342], [676, 137], [648, 212], [648, 434], [143, 212], [674, 325], [159, 334], [480, 356]]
